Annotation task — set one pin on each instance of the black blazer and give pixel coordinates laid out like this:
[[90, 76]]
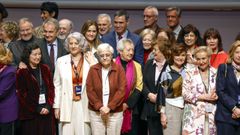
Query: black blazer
[[149, 108], [228, 90], [45, 55]]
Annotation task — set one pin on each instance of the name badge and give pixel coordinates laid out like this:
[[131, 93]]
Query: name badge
[[42, 99], [209, 108], [78, 89]]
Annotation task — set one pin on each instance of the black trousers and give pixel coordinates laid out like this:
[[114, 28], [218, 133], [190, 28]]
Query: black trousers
[[227, 129], [7, 128], [154, 126], [135, 130]]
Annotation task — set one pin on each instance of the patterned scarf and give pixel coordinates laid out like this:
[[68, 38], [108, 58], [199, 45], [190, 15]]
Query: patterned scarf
[[236, 66], [130, 76]]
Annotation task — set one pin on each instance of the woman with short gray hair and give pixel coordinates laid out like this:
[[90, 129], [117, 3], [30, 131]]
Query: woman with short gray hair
[[106, 84]]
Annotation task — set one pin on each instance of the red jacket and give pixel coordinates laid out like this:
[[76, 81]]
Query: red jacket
[[28, 91], [117, 85]]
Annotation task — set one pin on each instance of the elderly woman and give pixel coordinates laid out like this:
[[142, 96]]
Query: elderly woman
[[199, 93], [148, 39], [133, 90], [171, 79], [8, 97], [212, 39], [36, 94], [228, 90], [70, 75], [106, 84], [151, 80]]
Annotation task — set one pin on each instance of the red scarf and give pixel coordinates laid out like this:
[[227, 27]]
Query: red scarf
[[130, 76]]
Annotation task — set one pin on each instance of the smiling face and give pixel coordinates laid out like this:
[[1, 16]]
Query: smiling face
[[25, 31], [91, 33], [202, 60], [190, 39], [128, 51], [73, 46], [45, 15], [104, 26], [35, 57], [147, 41], [180, 59], [50, 32], [120, 24]]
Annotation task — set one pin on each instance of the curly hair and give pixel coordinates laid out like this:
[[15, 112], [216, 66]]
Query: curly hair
[[5, 55], [11, 28]]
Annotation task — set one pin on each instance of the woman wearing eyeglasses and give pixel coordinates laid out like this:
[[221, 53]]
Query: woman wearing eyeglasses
[[106, 83]]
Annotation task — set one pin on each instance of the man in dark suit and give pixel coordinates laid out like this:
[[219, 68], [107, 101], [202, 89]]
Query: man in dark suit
[[150, 18], [173, 15], [121, 21], [51, 46]]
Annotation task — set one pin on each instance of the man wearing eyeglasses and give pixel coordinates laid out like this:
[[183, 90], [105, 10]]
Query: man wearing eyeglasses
[[150, 17]]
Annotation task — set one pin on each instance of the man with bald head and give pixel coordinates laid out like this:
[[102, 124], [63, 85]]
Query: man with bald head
[[65, 28], [26, 38], [104, 24], [150, 18]]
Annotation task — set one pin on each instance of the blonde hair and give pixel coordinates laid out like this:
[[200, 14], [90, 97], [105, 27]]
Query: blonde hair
[[203, 49], [233, 48], [5, 55]]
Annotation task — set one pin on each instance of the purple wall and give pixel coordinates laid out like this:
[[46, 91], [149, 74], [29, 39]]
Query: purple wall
[[227, 22]]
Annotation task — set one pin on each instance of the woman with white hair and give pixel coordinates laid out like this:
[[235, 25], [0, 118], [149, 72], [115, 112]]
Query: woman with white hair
[[106, 83], [71, 101]]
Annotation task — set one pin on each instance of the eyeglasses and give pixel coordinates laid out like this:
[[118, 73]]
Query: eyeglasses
[[107, 55]]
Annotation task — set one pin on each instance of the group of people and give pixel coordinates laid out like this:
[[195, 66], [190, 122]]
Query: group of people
[[153, 81]]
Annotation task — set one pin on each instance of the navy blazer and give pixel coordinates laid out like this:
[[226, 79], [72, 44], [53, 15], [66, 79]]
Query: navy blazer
[[228, 90], [149, 108], [45, 55], [110, 38]]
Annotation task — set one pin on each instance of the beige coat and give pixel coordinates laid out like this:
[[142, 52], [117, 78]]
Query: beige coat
[[64, 89]]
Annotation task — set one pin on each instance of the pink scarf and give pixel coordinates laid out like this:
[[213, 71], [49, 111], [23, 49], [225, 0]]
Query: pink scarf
[[130, 75]]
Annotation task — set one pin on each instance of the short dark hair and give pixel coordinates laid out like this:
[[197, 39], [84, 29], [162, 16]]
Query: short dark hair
[[50, 7], [27, 51], [214, 33], [122, 13], [3, 11], [176, 50], [186, 30]]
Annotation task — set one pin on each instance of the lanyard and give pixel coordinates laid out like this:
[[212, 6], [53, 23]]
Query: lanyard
[[76, 72], [206, 88]]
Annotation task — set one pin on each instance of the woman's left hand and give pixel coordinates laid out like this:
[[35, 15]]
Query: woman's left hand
[[44, 111], [163, 120]]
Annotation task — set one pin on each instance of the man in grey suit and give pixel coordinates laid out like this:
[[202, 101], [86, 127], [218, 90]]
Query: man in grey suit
[[52, 47]]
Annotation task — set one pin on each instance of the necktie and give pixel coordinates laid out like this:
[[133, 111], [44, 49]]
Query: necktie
[[52, 55], [119, 37]]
